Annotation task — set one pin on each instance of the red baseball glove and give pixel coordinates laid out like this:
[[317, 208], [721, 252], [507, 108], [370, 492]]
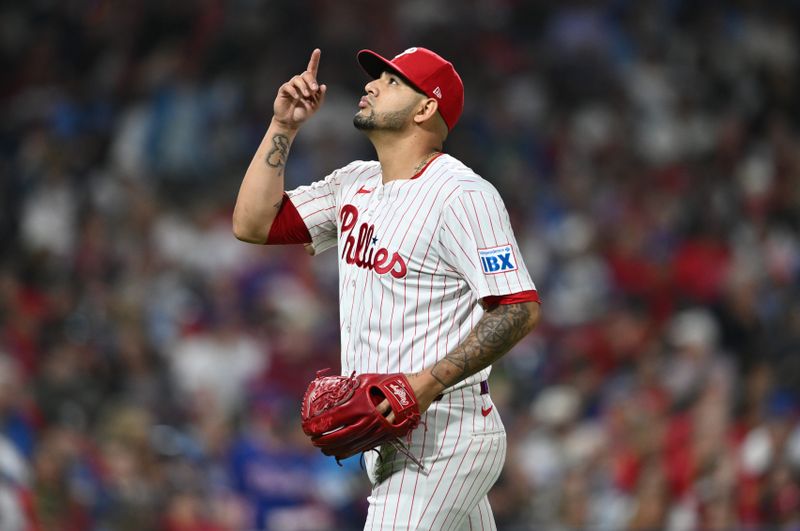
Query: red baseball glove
[[340, 413]]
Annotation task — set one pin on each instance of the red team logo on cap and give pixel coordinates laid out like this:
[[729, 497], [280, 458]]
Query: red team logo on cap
[[429, 72]]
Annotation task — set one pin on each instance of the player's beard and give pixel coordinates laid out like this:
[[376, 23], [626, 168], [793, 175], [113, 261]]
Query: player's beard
[[387, 121]]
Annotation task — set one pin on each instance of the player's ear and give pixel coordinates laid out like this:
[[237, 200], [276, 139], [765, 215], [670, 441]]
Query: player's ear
[[426, 109]]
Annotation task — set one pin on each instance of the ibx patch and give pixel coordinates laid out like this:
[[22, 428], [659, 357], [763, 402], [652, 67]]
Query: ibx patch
[[496, 260]]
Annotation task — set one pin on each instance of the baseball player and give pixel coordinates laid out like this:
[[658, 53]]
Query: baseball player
[[430, 276]]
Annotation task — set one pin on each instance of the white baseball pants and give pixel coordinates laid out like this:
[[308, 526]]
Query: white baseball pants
[[462, 446]]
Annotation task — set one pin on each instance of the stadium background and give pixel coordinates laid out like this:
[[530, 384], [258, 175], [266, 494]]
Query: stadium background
[[151, 365]]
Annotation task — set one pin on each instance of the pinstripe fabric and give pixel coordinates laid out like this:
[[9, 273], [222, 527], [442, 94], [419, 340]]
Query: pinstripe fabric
[[463, 453], [480, 519], [412, 267], [408, 317]]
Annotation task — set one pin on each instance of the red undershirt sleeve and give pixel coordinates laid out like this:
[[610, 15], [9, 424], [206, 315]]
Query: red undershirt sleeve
[[514, 298], [288, 226]]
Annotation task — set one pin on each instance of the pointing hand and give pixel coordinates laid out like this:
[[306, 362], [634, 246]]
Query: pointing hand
[[300, 97]]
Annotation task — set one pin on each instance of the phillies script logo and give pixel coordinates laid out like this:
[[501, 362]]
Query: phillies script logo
[[400, 393], [360, 250]]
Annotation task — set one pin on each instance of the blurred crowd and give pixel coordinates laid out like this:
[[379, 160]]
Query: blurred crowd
[[151, 366]]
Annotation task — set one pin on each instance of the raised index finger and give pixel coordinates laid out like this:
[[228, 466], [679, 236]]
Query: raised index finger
[[313, 63]]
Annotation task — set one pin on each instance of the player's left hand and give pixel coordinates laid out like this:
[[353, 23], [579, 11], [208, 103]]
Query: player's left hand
[[426, 389], [339, 412]]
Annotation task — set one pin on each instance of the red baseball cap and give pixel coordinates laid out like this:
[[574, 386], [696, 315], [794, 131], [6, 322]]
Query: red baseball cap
[[426, 71]]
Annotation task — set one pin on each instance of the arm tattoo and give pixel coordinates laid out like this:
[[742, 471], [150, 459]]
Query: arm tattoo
[[276, 158], [497, 331]]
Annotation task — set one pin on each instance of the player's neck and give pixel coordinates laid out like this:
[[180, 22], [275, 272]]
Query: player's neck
[[403, 158]]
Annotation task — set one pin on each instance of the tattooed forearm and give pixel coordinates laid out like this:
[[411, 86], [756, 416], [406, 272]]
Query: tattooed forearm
[[276, 157], [497, 331]]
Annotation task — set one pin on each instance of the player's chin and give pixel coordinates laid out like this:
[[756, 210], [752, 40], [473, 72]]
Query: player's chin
[[364, 122]]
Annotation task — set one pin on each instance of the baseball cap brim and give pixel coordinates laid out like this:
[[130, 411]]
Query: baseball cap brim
[[375, 64]]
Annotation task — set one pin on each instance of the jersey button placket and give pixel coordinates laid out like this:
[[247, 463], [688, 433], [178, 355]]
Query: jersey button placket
[[352, 296], [372, 203]]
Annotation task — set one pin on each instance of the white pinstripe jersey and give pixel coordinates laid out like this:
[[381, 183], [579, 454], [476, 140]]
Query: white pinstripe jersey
[[415, 256]]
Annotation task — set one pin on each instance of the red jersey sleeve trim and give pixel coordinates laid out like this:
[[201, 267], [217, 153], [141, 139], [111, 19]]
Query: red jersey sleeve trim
[[514, 298], [288, 226]]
